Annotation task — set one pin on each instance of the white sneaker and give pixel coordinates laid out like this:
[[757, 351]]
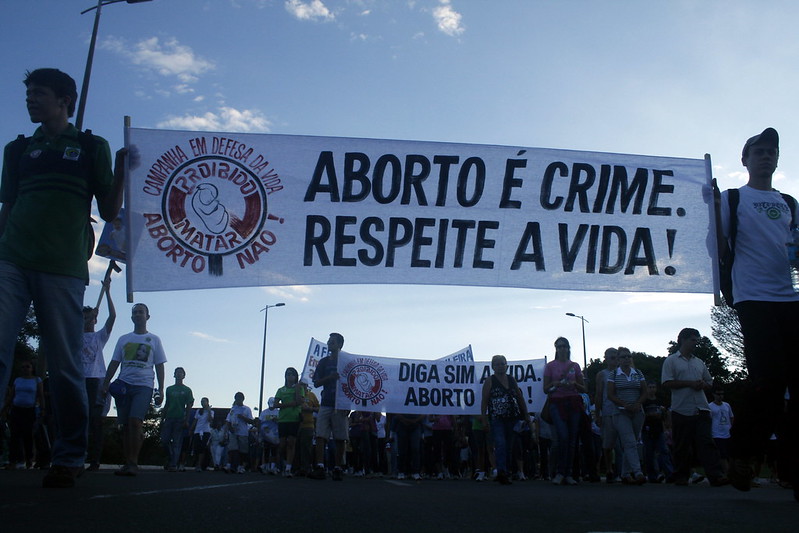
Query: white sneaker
[[400, 476], [240, 470], [416, 477], [520, 476], [558, 479], [570, 480], [480, 476]]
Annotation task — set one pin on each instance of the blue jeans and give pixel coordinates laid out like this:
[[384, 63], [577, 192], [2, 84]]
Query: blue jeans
[[58, 301], [567, 429], [172, 438], [504, 436], [134, 403]]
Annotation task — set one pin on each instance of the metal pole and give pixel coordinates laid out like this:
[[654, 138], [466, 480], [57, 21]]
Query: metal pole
[[84, 89], [583, 321], [263, 356], [263, 364], [585, 357]]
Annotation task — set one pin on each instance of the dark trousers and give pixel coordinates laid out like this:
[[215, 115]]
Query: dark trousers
[[771, 346], [692, 438], [656, 455], [409, 443], [95, 442], [20, 422]]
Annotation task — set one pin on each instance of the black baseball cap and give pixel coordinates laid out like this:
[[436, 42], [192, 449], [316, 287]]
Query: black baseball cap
[[769, 136]]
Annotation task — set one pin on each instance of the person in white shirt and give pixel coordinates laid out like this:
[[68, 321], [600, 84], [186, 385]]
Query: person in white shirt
[[722, 418], [138, 356], [767, 305]]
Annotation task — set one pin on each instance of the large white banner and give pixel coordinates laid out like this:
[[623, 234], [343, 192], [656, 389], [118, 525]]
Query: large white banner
[[391, 385], [230, 209]]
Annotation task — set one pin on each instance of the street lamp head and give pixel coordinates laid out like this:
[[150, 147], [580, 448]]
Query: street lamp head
[[281, 304], [570, 314]]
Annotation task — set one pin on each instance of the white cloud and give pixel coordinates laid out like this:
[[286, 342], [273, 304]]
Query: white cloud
[[739, 176], [225, 119], [167, 58], [183, 88], [313, 10], [206, 337], [664, 298], [299, 293], [448, 20]]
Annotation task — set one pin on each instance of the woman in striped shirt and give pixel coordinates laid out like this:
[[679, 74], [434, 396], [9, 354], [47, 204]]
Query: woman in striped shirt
[[627, 389]]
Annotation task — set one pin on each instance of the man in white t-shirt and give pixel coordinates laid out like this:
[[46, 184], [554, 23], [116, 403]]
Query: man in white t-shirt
[[767, 307], [136, 355]]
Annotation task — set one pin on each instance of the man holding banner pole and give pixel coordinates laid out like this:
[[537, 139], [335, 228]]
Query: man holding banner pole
[[760, 230], [330, 420], [48, 183]]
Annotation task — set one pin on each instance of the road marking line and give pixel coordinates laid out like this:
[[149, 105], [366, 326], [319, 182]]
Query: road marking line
[[185, 489]]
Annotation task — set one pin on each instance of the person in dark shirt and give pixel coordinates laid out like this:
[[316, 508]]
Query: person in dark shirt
[[330, 420], [657, 457]]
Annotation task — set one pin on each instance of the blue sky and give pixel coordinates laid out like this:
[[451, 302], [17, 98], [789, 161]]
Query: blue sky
[[676, 78]]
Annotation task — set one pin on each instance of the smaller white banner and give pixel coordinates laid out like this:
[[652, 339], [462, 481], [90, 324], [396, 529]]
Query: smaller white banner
[[382, 384]]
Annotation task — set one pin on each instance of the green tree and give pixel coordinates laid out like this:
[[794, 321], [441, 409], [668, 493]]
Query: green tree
[[27, 345], [726, 329]]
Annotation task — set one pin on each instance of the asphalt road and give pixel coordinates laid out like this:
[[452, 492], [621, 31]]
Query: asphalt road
[[212, 501]]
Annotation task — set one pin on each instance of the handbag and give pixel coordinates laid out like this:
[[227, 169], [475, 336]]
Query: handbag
[[118, 389], [546, 412]]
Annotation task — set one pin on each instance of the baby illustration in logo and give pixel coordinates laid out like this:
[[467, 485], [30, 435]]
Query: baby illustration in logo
[[205, 202], [364, 381]]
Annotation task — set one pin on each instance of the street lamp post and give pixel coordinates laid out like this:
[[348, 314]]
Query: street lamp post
[[84, 88], [583, 321], [263, 356]]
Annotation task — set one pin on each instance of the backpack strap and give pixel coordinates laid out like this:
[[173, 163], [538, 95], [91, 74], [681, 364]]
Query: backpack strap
[[88, 145], [791, 201], [733, 199], [16, 148]]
